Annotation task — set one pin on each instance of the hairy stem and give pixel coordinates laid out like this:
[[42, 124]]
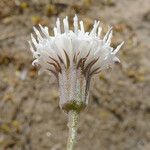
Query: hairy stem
[[73, 116]]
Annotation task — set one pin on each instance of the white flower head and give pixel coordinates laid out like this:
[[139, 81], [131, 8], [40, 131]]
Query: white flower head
[[73, 57]]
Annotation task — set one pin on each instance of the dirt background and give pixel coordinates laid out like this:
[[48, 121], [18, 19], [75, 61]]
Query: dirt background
[[118, 115]]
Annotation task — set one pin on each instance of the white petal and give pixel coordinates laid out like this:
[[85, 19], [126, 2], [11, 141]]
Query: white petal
[[109, 38], [75, 23], [34, 40], [31, 47], [118, 48], [99, 31], [66, 24], [82, 26], [39, 37], [95, 26], [58, 26], [55, 31], [44, 30], [107, 34]]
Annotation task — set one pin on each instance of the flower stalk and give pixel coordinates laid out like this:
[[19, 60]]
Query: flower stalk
[[73, 117]]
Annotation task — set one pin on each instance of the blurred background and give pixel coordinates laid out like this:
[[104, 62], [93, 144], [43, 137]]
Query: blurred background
[[118, 115]]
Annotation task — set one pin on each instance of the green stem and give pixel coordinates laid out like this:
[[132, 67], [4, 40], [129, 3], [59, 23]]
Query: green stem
[[73, 116]]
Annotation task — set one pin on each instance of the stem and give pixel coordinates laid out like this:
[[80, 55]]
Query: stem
[[73, 116]]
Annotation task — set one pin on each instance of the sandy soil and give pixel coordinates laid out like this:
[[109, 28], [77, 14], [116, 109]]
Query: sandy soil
[[118, 115]]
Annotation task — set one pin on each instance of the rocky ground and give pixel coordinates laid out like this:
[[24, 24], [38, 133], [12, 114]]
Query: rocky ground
[[118, 115]]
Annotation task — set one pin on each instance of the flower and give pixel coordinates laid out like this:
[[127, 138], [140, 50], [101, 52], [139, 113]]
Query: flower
[[73, 57]]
